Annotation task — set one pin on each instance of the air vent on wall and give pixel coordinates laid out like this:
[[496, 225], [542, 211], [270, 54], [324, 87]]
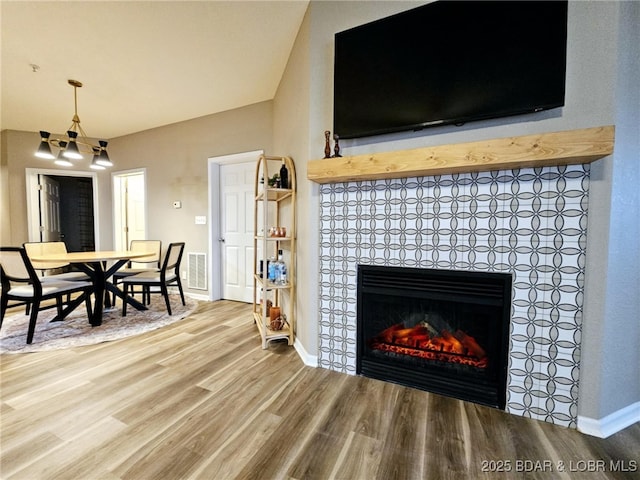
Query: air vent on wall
[[197, 271]]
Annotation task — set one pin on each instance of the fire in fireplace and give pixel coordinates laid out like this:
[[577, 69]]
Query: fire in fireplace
[[438, 330], [430, 343]]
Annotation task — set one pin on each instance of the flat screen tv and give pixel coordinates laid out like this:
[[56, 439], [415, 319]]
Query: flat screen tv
[[449, 62]]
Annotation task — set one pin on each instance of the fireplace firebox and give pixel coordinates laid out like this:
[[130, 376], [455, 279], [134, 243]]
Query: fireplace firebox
[[443, 331]]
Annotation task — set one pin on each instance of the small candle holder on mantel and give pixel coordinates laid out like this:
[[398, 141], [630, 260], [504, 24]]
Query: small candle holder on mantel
[[327, 145], [336, 147]]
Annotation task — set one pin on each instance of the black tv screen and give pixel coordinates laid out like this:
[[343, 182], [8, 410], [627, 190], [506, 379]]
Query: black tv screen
[[449, 62]]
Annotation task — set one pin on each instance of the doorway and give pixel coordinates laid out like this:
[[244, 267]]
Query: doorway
[[129, 208], [230, 214], [61, 206]]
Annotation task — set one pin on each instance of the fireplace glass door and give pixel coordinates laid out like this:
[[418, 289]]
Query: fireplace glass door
[[437, 330]]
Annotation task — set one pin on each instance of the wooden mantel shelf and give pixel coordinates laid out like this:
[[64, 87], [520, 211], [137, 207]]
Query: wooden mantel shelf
[[546, 149]]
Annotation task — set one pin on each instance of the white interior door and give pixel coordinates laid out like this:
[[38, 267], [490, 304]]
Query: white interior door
[[49, 209], [137, 228], [129, 208], [236, 205]]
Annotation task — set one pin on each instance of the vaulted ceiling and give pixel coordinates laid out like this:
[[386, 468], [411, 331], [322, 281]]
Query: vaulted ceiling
[[143, 64]]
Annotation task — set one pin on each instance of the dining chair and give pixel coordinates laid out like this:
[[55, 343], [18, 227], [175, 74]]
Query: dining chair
[[22, 285], [47, 269], [149, 263], [168, 275]]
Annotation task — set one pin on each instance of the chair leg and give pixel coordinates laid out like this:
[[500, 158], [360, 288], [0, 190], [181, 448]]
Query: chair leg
[[165, 294], [87, 302], [113, 295], [59, 306], [116, 282], [180, 289], [4, 303], [32, 320], [125, 296]]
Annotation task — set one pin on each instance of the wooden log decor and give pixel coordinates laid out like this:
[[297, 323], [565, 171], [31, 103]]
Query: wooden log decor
[[539, 150]]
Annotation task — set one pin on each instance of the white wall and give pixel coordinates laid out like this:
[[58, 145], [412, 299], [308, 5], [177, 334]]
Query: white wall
[[176, 159], [291, 119], [611, 335]]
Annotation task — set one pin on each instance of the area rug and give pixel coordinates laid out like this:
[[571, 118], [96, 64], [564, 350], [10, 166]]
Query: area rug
[[76, 331]]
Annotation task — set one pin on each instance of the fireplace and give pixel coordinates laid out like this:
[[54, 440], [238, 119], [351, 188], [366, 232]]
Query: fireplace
[[529, 223], [443, 331]]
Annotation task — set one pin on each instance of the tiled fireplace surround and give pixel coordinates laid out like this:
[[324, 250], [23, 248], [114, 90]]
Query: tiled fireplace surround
[[531, 222]]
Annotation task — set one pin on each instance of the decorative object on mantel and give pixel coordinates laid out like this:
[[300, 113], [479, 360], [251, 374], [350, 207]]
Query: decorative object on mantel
[[336, 148], [570, 147], [327, 145], [75, 330], [72, 146]]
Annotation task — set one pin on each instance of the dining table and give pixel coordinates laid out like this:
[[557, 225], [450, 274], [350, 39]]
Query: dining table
[[100, 267]]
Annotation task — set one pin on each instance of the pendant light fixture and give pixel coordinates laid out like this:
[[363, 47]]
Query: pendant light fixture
[[76, 143], [60, 159]]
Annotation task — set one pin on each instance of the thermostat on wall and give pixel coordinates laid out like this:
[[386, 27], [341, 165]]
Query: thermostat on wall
[[177, 204]]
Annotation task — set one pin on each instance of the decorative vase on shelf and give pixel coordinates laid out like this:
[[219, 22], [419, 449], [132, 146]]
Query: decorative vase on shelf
[[284, 176]]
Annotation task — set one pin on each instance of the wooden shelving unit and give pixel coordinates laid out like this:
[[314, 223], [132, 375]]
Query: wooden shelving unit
[[545, 149], [274, 206]]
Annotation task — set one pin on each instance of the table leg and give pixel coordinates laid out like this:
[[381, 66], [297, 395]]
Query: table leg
[[71, 306], [110, 287], [96, 272], [100, 275]]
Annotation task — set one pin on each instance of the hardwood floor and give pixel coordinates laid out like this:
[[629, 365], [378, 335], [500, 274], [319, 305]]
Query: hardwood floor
[[200, 399]]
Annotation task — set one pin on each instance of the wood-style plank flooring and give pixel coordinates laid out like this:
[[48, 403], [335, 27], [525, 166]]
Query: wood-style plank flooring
[[200, 399]]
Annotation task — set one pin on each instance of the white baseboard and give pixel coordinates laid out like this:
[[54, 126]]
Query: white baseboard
[[196, 296], [613, 423], [309, 360], [203, 297]]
